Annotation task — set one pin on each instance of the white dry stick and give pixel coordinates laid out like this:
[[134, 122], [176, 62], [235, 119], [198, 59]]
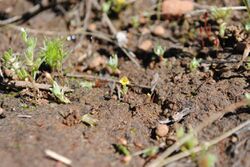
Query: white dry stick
[[58, 157]]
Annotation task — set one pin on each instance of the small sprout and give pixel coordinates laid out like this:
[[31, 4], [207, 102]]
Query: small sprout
[[118, 5], [113, 63], [194, 64], [106, 7], [30, 47], [159, 51], [124, 81], [207, 160], [149, 152], [222, 29], [8, 58], [87, 84], [247, 95], [189, 144], [59, 93], [135, 21], [220, 14], [53, 53], [87, 119], [122, 150]]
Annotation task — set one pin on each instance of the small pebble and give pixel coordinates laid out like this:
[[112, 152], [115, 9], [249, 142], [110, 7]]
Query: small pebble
[[146, 45], [159, 31], [162, 130]]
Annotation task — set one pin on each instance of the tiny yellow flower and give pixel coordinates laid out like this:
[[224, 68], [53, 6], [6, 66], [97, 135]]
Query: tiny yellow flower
[[120, 2], [124, 81]]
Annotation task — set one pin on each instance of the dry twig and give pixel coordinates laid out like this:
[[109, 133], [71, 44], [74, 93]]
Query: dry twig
[[215, 116]]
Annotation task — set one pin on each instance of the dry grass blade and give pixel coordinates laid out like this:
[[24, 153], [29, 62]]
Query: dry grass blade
[[215, 116], [206, 144]]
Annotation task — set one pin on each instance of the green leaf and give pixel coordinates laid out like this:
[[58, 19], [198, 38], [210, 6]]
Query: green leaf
[[122, 149], [59, 93]]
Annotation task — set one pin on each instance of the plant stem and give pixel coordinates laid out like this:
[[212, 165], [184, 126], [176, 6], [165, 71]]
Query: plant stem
[[206, 144]]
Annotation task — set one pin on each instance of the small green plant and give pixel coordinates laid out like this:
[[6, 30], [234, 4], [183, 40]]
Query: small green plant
[[159, 51], [124, 82], [191, 143], [247, 23], [59, 93], [135, 22], [113, 63], [247, 95], [87, 84], [28, 68], [149, 152], [207, 160], [53, 53], [122, 149], [114, 5], [221, 15], [194, 64]]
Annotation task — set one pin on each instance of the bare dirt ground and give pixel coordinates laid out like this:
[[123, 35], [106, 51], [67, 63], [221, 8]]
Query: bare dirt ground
[[134, 119]]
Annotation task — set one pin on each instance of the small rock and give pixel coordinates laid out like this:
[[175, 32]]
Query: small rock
[[144, 31], [146, 45], [92, 27], [177, 7], [159, 31], [2, 113], [97, 62], [162, 130]]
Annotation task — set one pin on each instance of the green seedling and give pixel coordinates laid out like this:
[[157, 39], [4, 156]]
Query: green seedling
[[87, 119], [221, 15], [247, 24], [30, 47], [194, 64], [149, 152], [159, 51], [59, 93], [207, 160], [106, 6], [87, 84], [122, 149], [124, 81], [189, 144], [11, 63], [113, 63], [247, 95], [53, 53], [114, 5], [135, 22]]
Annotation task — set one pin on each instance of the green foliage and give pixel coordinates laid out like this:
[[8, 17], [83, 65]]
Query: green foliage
[[247, 95], [59, 93], [194, 64], [221, 15], [207, 160], [149, 152], [247, 23], [27, 68], [114, 5], [122, 149], [159, 50], [30, 47], [87, 84], [53, 53], [189, 144], [135, 21], [113, 63]]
